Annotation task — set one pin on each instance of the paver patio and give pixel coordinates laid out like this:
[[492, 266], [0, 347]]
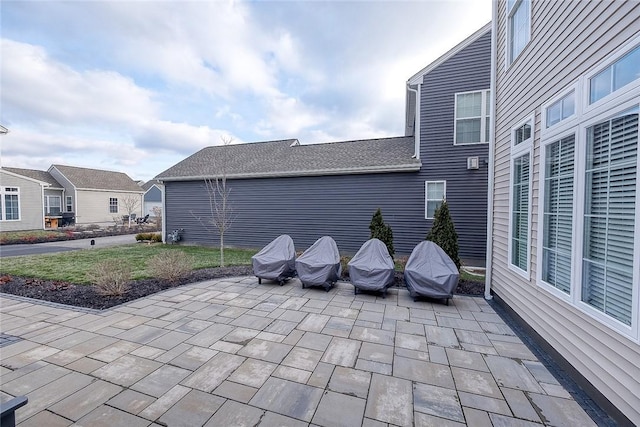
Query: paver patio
[[231, 352]]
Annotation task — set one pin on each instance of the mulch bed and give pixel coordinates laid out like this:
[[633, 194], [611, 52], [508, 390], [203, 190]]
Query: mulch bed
[[87, 296]]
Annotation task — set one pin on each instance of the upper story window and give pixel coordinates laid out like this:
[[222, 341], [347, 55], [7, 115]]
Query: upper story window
[[113, 205], [9, 203], [518, 27], [69, 203], [560, 110], [472, 117], [622, 72]]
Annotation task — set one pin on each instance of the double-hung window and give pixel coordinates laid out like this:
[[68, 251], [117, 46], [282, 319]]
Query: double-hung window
[[472, 117], [9, 203], [113, 205], [520, 204], [435, 193], [69, 203], [518, 27]]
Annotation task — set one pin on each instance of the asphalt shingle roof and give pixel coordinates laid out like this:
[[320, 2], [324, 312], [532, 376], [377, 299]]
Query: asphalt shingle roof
[[35, 174], [289, 158], [98, 179]]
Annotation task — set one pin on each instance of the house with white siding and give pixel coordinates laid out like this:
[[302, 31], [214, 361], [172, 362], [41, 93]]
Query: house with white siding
[[564, 222]]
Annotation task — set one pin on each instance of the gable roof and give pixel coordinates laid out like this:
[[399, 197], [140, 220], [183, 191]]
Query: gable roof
[[417, 78], [147, 185], [290, 158], [38, 175], [97, 179]]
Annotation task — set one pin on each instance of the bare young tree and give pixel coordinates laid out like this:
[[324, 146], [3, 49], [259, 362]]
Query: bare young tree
[[221, 214], [130, 204]]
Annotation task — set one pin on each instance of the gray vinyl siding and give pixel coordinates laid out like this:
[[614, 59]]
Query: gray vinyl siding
[[153, 195], [306, 208], [568, 39], [466, 190]]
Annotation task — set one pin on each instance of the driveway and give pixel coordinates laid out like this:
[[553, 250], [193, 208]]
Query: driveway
[[232, 352], [67, 245]]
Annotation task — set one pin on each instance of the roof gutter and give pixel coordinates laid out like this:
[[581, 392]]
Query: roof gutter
[[412, 167], [492, 154], [416, 121]]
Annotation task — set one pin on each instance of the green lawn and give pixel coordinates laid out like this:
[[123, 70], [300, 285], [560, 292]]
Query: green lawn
[[73, 266]]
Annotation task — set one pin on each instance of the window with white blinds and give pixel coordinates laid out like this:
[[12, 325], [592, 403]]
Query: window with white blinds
[[520, 212], [558, 213], [609, 215]]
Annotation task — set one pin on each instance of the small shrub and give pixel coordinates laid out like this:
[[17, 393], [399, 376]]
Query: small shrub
[[344, 262], [93, 227], [443, 233], [156, 237], [401, 262], [149, 237], [171, 265], [111, 277], [381, 231]]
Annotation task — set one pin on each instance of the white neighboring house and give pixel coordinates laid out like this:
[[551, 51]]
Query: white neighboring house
[[97, 196], [564, 217]]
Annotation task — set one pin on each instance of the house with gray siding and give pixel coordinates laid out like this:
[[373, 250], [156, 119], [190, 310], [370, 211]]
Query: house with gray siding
[[564, 223], [312, 190], [152, 197], [29, 199], [35, 199]]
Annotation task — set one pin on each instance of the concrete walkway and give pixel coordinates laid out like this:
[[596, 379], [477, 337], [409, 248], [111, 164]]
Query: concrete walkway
[[65, 245], [231, 352]]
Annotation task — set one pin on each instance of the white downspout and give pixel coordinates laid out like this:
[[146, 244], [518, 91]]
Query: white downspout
[[416, 126], [491, 172]]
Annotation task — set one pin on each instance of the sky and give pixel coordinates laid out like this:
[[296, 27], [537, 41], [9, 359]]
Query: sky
[[137, 86]]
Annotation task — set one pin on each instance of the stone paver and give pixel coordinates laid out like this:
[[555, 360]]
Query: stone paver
[[233, 352]]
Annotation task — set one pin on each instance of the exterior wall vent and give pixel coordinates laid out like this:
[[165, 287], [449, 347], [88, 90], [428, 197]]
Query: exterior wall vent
[[473, 163]]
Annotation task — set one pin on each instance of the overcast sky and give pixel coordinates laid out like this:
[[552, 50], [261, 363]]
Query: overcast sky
[[136, 86]]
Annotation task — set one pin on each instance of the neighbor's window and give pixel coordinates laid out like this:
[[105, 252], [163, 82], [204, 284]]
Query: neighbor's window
[[9, 203], [472, 117], [52, 205], [69, 203], [622, 72], [519, 27], [609, 215], [561, 109], [113, 205], [435, 194], [557, 239]]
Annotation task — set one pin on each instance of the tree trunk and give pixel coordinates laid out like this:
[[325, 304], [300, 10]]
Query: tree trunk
[[222, 249]]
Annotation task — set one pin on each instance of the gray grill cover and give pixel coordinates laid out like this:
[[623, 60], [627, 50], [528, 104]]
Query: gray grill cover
[[430, 272], [276, 261], [320, 264], [372, 268]]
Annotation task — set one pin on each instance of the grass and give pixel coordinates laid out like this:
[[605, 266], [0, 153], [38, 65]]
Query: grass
[[73, 266], [40, 235]]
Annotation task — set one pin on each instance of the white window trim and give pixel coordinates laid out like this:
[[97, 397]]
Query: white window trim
[[4, 206], [67, 204], [117, 205], [544, 144], [484, 114], [632, 331], [47, 197], [426, 193], [569, 122], [631, 89], [508, 60], [517, 151]]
